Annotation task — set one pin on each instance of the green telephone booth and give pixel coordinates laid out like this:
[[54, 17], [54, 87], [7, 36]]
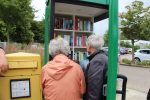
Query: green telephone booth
[[77, 13]]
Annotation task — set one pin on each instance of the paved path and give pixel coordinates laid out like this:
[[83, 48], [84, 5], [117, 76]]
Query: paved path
[[138, 82], [138, 78]]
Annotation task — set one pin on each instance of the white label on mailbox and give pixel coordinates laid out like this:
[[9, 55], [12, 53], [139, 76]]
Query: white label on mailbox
[[20, 88]]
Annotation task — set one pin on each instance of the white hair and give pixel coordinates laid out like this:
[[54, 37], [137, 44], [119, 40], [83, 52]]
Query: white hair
[[59, 46], [94, 41]]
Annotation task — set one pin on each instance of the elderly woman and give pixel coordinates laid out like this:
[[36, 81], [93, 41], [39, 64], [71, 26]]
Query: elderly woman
[[62, 78]]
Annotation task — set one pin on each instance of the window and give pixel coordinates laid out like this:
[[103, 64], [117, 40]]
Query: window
[[148, 51], [145, 51]]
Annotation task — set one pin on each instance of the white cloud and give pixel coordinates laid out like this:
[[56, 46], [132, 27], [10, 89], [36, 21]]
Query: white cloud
[[39, 5]]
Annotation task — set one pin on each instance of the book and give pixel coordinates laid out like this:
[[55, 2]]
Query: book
[[80, 55], [80, 41], [76, 23], [63, 23], [83, 24]]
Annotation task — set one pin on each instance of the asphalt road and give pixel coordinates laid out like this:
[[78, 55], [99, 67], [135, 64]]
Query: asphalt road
[[138, 78]]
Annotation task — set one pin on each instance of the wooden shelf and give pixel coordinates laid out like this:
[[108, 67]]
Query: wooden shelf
[[81, 28], [89, 32], [63, 30], [79, 47], [76, 31]]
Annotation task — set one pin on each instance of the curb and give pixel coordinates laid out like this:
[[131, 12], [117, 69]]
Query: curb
[[132, 65]]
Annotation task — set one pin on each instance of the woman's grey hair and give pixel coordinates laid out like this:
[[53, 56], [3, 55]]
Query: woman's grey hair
[[59, 46], [94, 41]]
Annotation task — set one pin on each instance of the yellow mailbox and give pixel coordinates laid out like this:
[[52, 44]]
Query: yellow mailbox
[[23, 79]]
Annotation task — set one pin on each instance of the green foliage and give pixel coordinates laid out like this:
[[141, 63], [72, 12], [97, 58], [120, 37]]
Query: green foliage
[[136, 23], [17, 16], [2, 31], [122, 37], [145, 63], [136, 47], [125, 44], [37, 28], [126, 61], [148, 46], [106, 38]]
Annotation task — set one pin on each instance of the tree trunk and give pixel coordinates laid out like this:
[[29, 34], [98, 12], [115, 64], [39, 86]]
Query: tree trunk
[[132, 41], [8, 40], [8, 32]]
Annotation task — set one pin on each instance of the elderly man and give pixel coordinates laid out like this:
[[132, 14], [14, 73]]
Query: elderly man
[[3, 61], [96, 71], [62, 78], [148, 95]]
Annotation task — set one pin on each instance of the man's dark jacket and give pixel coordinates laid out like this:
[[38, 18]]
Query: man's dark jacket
[[95, 75], [148, 95]]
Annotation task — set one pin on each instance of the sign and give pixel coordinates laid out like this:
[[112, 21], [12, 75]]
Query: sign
[[20, 88]]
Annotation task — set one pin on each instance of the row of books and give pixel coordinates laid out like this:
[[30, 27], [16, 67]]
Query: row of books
[[67, 23], [63, 23], [80, 40], [80, 55], [69, 38], [83, 25]]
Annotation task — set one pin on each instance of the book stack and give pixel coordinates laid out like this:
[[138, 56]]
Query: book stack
[[63, 23], [83, 25], [68, 38], [80, 55], [80, 41]]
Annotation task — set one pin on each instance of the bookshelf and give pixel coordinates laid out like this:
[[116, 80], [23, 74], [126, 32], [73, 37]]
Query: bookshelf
[[95, 9], [75, 29]]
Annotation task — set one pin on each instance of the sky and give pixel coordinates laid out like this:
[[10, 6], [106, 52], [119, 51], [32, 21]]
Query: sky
[[99, 27]]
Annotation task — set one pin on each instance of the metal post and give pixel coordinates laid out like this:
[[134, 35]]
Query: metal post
[[49, 28], [124, 84], [46, 34], [113, 49]]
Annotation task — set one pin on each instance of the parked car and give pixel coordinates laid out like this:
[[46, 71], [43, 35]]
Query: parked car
[[123, 50], [106, 52], [126, 50], [105, 48], [129, 50], [141, 55]]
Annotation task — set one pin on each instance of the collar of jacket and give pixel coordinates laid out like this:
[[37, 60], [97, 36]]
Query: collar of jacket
[[94, 54]]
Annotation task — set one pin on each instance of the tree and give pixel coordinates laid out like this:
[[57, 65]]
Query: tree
[[122, 37], [135, 23], [2, 31], [106, 38], [125, 44], [37, 28], [17, 15]]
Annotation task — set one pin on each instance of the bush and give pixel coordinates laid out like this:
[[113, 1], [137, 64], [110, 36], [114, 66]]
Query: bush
[[145, 63], [136, 47], [31, 48], [148, 46], [126, 61], [125, 44]]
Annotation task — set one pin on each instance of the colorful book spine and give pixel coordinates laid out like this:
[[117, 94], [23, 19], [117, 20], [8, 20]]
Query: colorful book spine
[[63, 23], [80, 55]]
